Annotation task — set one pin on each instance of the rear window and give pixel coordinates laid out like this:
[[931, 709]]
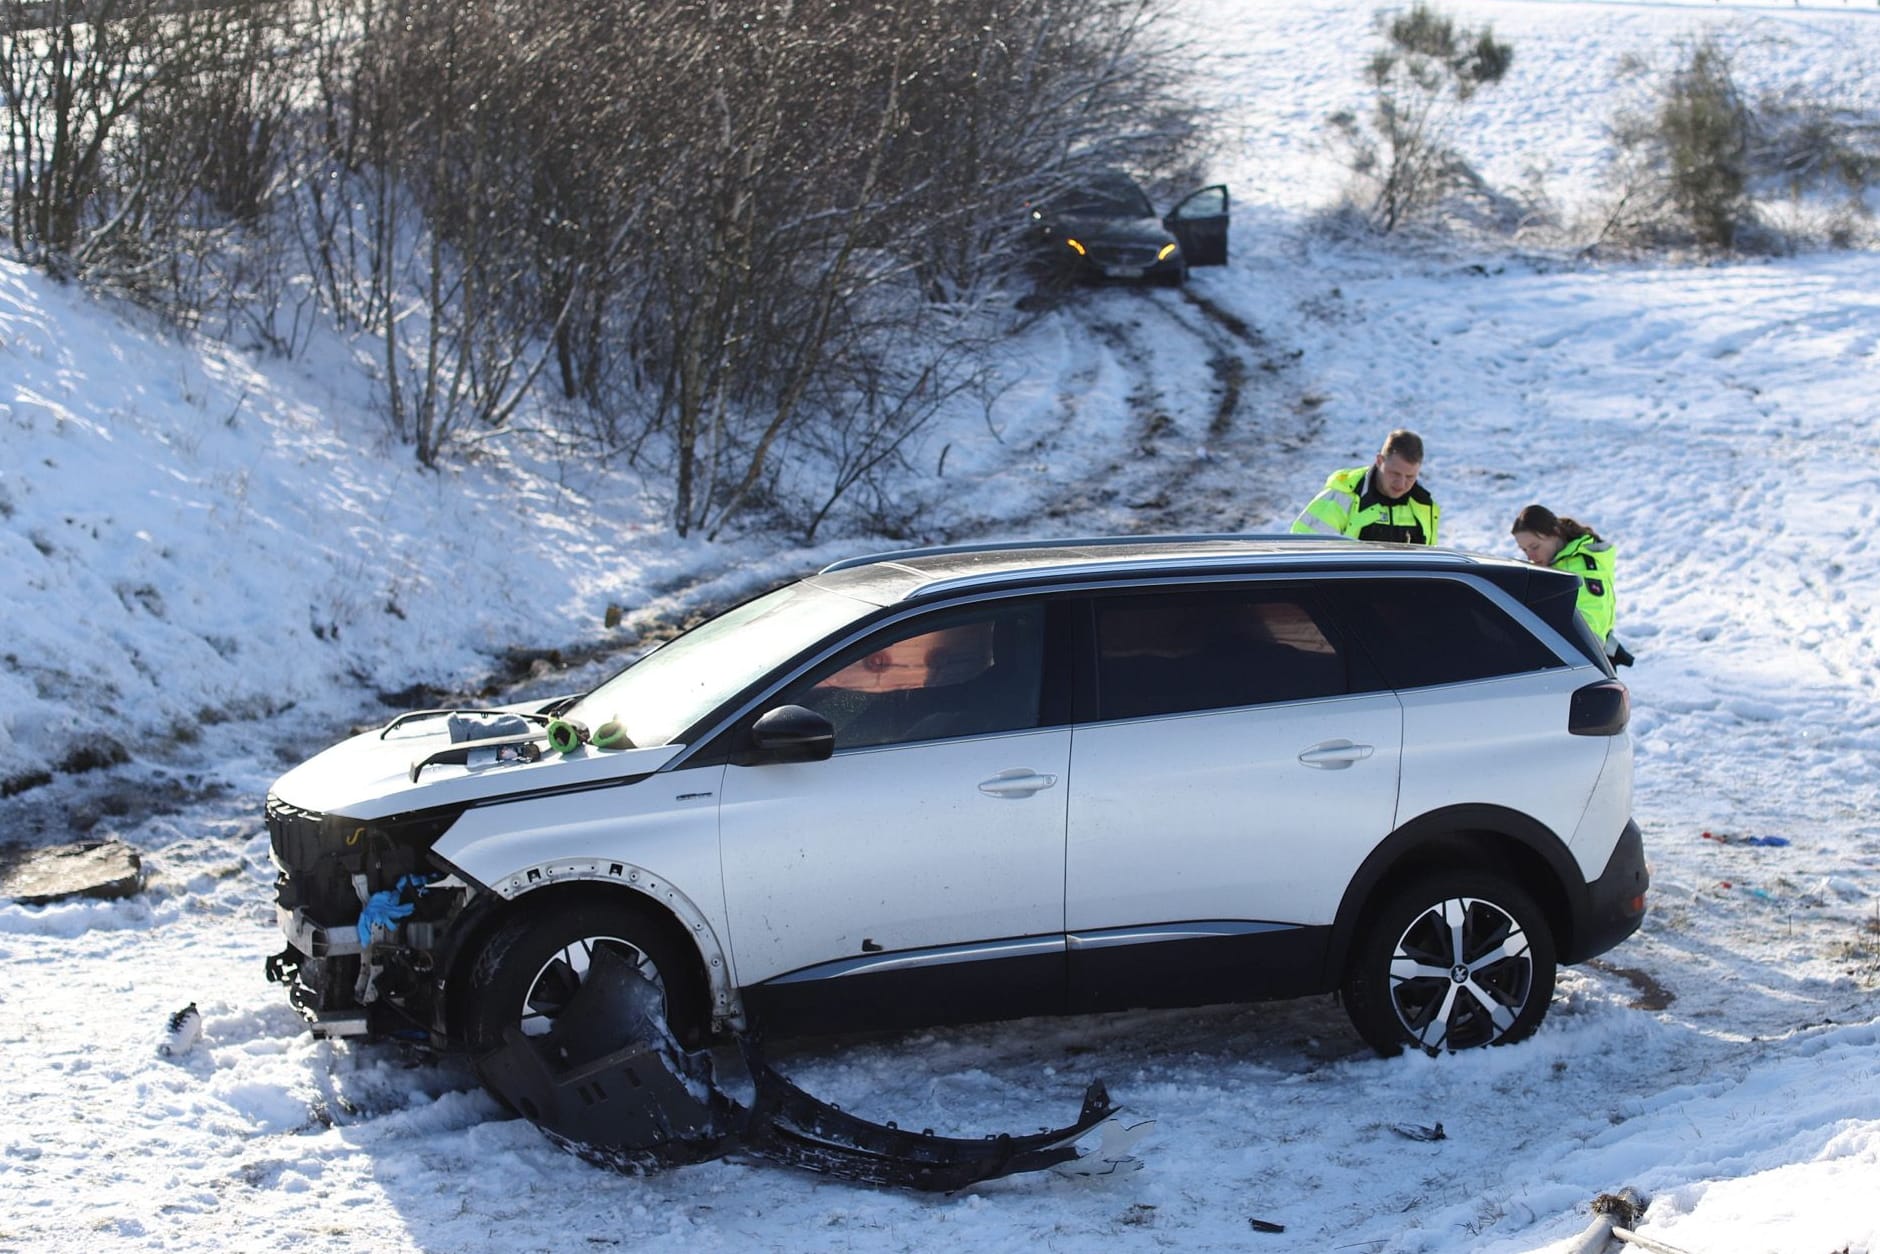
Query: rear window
[[1555, 600], [1424, 632]]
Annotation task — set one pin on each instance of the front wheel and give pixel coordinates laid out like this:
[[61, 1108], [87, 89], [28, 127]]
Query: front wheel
[[533, 964], [1451, 961]]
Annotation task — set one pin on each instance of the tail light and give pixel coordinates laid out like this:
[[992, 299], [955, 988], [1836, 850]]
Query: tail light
[[1601, 709]]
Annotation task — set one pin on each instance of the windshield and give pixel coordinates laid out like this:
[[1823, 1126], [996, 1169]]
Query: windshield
[[688, 677], [1110, 199]]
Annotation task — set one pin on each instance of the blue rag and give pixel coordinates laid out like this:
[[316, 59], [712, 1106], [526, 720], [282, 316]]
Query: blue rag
[[386, 907]]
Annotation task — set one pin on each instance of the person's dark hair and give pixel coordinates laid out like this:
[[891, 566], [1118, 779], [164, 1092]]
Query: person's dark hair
[[1405, 444], [1541, 521]]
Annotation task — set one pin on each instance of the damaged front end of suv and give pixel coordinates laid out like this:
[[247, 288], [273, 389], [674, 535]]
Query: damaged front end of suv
[[371, 924], [386, 940], [374, 920]]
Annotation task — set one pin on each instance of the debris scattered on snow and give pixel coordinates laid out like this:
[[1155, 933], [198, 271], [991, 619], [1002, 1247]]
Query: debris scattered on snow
[[611, 1084], [182, 1032], [1416, 1132], [1726, 838], [1112, 1153]]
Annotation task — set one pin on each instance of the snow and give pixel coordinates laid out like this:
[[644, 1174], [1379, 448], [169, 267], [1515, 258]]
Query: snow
[[219, 561]]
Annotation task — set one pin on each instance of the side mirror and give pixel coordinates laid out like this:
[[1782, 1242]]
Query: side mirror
[[791, 733]]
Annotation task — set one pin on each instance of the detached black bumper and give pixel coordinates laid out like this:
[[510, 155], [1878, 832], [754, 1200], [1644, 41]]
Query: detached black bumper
[[1614, 905]]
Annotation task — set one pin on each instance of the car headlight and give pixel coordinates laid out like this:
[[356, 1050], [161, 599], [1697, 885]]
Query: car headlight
[[1077, 248], [1167, 251]]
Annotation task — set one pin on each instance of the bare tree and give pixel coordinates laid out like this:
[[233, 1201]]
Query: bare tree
[[756, 243], [139, 135]]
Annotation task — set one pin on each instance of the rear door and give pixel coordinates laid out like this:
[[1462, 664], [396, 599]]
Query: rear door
[[1199, 224], [1228, 774], [1486, 703]]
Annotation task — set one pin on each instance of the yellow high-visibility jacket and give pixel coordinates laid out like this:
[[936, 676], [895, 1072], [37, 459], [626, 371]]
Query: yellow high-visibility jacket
[[1349, 506], [1593, 561]]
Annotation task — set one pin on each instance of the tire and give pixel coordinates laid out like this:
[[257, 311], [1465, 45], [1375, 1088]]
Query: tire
[[533, 964], [1452, 961]]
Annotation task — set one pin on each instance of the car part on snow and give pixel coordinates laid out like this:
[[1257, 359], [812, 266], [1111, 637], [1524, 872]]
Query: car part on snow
[[1113, 1153], [181, 1032], [1417, 1132], [610, 1083]]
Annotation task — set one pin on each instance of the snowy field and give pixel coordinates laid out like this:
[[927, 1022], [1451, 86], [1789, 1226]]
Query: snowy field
[[214, 561]]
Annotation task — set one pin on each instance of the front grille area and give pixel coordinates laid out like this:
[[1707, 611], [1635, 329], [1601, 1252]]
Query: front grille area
[[328, 865], [1126, 255], [316, 863], [320, 854]]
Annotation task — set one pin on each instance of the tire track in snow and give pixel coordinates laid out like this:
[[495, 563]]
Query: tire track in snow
[[1214, 411]]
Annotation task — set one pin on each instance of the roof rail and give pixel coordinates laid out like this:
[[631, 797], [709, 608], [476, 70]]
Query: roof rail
[[1067, 542]]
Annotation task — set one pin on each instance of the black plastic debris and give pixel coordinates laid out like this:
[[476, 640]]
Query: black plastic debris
[[611, 1084], [1417, 1132]]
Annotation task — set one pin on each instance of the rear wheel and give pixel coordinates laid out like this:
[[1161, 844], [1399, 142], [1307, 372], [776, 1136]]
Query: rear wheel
[[1451, 961], [533, 964]]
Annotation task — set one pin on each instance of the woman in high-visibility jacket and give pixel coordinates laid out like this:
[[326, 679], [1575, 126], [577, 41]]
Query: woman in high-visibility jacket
[[1547, 539]]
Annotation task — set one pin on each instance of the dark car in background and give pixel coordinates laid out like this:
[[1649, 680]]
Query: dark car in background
[[1106, 228]]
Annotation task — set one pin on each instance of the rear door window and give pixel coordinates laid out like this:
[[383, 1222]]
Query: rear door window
[[1423, 632], [1179, 652]]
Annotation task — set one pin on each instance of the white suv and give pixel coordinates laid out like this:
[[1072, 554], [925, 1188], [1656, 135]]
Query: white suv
[[980, 782]]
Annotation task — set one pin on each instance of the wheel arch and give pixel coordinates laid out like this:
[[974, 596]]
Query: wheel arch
[[563, 884], [1483, 837]]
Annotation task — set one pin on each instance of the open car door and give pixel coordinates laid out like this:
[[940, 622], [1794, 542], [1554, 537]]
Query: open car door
[[1199, 222]]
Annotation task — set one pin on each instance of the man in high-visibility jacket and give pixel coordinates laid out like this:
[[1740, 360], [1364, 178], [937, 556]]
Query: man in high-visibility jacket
[[1382, 501]]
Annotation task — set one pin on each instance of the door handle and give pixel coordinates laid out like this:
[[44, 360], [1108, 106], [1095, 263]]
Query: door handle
[[1336, 755], [1020, 781]]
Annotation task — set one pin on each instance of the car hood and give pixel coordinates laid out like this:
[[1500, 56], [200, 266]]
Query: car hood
[[369, 776], [1114, 230]]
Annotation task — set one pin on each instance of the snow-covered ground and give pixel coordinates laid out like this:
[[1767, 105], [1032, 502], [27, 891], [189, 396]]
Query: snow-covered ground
[[215, 562]]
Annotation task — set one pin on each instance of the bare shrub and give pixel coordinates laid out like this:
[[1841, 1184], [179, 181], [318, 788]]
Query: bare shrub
[[1427, 69], [139, 135], [1699, 163], [1703, 128]]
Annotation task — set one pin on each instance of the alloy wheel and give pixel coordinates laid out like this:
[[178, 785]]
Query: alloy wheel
[[1461, 974]]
